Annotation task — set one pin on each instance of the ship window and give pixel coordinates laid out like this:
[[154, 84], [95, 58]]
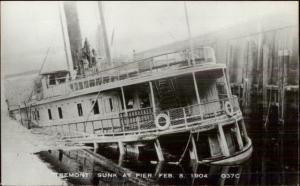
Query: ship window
[[111, 104], [80, 85], [98, 81], [79, 108], [49, 114], [75, 86], [144, 101], [33, 115], [130, 104], [105, 79], [92, 83], [60, 113], [96, 107], [199, 55], [38, 115], [52, 79], [86, 84], [71, 86], [209, 54], [221, 88], [61, 80]]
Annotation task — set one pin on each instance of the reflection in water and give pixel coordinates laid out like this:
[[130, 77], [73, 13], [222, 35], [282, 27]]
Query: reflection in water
[[273, 162], [88, 168]]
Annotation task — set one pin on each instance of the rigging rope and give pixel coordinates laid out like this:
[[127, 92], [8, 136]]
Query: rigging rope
[[266, 122], [30, 96], [186, 147], [271, 75], [44, 61], [92, 106]]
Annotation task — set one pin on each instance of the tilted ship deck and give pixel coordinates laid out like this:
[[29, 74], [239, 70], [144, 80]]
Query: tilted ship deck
[[143, 101]]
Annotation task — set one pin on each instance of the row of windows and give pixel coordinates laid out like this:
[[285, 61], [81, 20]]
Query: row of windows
[[36, 115], [96, 109], [60, 114], [86, 84], [92, 82]]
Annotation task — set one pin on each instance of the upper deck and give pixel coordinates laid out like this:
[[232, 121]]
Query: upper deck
[[149, 69]]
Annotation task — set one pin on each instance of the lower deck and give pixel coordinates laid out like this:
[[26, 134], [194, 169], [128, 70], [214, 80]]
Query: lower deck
[[221, 139], [145, 126]]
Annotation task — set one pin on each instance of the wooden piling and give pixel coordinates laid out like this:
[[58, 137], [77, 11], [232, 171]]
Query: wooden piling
[[158, 150], [244, 129], [133, 149], [121, 148], [222, 141], [158, 168], [193, 151], [238, 135], [121, 158], [284, 58], [96, 147]]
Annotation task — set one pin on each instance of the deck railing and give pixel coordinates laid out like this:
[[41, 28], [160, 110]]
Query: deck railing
[[132, 125], [143, 67], [200, 112]]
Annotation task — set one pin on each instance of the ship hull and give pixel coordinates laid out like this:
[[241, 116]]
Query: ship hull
[[205, 146], [237, 158]]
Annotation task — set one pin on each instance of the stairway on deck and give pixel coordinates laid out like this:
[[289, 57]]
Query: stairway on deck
[[166, 94]]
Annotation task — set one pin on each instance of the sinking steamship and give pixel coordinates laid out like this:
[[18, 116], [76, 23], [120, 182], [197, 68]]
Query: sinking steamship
[[147, 100]]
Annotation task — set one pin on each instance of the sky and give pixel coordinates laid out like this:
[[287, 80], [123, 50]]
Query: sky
[[30, 29]]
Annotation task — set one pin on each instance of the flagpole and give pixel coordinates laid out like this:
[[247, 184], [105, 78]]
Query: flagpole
[[189, 33]]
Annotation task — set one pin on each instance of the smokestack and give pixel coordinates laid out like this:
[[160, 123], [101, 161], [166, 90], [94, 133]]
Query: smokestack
[[104, 34], [70, 8]]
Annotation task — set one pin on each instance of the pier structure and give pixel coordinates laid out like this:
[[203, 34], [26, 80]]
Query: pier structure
[[263, 64]]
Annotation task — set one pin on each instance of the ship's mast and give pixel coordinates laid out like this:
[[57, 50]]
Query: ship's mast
[[192, 53], [104, 34]]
